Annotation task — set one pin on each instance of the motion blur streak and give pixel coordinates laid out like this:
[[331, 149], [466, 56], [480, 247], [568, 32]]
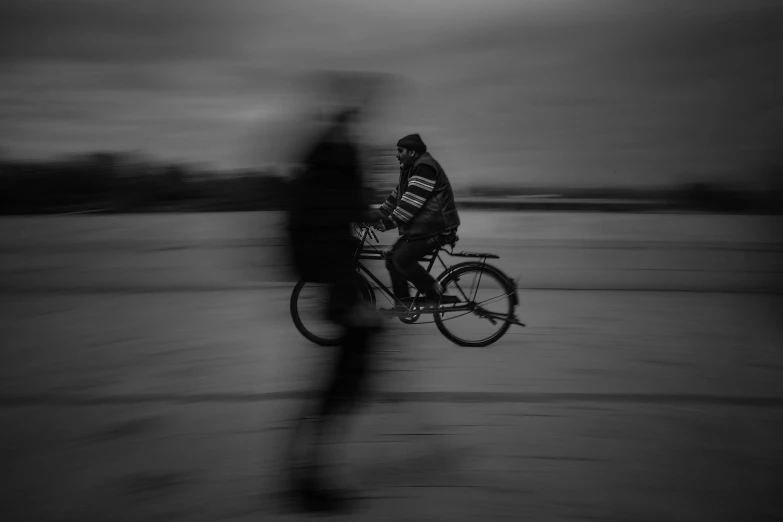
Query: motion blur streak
[[621, 157]]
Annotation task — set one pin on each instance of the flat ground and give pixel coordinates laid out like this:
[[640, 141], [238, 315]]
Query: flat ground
[[146, 397]]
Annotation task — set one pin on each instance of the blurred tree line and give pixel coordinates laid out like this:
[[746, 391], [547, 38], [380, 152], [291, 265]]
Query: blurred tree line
[[758, 192], [130, 182], [117, 182]]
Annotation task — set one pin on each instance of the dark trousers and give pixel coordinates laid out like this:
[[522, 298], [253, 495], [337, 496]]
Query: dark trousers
[[402, 261]]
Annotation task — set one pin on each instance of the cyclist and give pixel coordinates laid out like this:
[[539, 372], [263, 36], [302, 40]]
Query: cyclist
[[423, 209]]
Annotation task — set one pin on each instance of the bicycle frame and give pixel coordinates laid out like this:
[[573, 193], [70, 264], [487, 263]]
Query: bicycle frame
[[363, 252], [410, 313]]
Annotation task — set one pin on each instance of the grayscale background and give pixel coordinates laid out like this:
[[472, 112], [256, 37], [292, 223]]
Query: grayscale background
[[622, 157]]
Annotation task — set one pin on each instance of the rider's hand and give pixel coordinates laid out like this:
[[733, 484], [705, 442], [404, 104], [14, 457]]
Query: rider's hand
[[379, 226]]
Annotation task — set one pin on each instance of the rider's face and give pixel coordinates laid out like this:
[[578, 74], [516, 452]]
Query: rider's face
[[404, 156]]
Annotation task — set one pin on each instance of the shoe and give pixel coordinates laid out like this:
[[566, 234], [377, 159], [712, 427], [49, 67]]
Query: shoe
[[399, 308], [436, 303], [437, 298], [395, 311]]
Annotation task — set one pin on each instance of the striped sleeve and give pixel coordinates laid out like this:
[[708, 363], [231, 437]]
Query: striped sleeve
[[391, 202], [419, 189]]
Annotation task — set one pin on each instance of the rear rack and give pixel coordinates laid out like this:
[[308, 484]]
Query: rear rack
[[379, 255], [474, 254]]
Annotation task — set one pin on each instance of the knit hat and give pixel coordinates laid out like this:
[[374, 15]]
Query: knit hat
[[413, 142]]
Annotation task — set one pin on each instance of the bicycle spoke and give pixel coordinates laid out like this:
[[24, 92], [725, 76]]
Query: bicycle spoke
[[493, 299], [508, 294], [491, 306], [477, 285]]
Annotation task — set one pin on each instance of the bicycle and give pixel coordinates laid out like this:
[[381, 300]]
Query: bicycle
[[469, 305]]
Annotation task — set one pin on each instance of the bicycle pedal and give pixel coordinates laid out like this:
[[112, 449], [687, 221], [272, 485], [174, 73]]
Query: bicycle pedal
[[394, 311], [431, 308]]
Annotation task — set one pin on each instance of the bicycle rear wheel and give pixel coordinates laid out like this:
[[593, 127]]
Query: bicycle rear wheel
[[309, 302], [487, 300]]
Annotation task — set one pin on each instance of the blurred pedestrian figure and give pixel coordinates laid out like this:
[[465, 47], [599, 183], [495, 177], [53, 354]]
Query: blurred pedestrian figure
[[327, 198]]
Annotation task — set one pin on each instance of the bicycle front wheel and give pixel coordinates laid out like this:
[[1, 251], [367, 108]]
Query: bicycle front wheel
[[309, 303], [486, 304]]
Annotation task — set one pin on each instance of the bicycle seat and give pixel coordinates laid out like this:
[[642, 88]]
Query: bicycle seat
[[450, 240]]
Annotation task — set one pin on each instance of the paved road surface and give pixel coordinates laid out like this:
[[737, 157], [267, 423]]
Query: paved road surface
[[610, 406], [149, 371]]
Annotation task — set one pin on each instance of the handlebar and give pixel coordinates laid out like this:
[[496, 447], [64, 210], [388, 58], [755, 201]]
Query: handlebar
[[370, 231]]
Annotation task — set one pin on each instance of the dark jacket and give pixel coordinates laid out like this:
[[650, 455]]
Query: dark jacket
[[326, 198], [439, 212]]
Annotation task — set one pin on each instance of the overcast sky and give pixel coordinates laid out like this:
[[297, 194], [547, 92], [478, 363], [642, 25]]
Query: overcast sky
[[548, 92]]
